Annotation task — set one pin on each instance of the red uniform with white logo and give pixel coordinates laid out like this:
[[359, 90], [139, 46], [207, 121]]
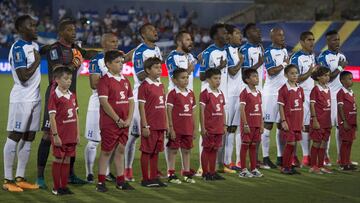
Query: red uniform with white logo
[[213, 117], [253, 112], [322, 100], [152, 94], [117, 90], [292, 99], [347, 99], [64, 106], [183, 104]]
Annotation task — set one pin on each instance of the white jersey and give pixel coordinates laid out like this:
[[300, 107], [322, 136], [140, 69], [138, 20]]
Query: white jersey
[[22, 56], [179, 60], [97, 66], [235, 82], [141, 53], [303, 61], [274, 57]]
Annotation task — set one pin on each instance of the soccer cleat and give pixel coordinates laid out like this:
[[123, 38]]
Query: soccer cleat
[[207, 177], [327, 162], [279, 161], [174, 179], [149, 183], [325, 170], [73, 179], [11, 186], [90, 178], [199, 172], [161, 184], [101, 187], [294, 171], [66, 191], [305, 161], [256, 173], [286, 171], [245, 173], [353, 167], [189, 179], [57, 192], [41, 183], [21, 182], [217, 176], [315, 170], [295, 161], [110, 177], [228, 170], [267, 162], [354, 163], [124, 186]]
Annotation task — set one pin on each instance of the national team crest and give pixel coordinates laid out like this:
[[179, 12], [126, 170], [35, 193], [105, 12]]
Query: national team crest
[[138, 63], [93, 68], [18, 57], [54, 55]]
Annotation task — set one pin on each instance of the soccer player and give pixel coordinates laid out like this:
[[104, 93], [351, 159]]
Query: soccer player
[[64, 128], [252, 125], [117, 107], [290, 100], [305, 60], [333, 59], [25, 104], [320, 122], [153, 122], [145, 50], [235, 85], [181, 117], [347, 112], [212, 122], [64, 52], [276, 59]]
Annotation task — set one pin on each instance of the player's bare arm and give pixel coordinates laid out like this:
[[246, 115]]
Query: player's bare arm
[[306, 75], [141, 76], [223, 63], [342, 63], [202, 76], [225, 125], [284, 124], [343, 118], [194, 123], [243, 118], [259, 63], [202, 121], [144, 124], [316, 124], [25, 74], [78, 127], [57, 140], [94, 80], [234, 70], [169, 110], [130, 113], [128, 56]]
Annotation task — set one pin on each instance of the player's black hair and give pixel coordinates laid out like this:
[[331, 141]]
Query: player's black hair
[[65, 22], [110, 56], [143, 28], [331, 32], [230, 28], [344, 74], [21, 20], [177, 72], [289, 67], [148, 63], [322, 70], [248, 27], [60, 71], [180, 34], [211, 72], [247, 73], [305, 34], [215, 28]]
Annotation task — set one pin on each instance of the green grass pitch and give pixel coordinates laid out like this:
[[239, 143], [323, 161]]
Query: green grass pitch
[[273, 187]]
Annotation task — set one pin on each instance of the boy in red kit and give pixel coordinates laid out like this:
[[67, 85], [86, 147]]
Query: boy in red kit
[[212, 122], [64, 128], [252, 125], [347, 111], [290, 100], [180, 110], [320, 122], [117, 107], [153, 122]]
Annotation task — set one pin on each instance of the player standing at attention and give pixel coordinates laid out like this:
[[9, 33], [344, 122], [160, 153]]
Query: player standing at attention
[[252, 125], [154, 124], [25, 104], [181, 117], [320, 122], [145, 50], [347, 112], [306, 62], [212, 122], [235, 85], [276, 59], [117, 107], [64, 52], [290, 100], [64, 128]]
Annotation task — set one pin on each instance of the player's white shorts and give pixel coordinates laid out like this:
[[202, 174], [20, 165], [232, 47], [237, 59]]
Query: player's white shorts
[[307, 110], [270, 109], [24, 117], [135, 126], [334, 112], [92, 128], [233, 111]]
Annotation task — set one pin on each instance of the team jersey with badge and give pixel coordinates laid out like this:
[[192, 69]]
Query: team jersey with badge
[[252, 102], [22, 56], [211, 57], [179, 60], [64, 106], [303, 61], [141, 53], [330, 60], [235, 82], [117, 90], [273, 58], [347, 99], [152, 94], [97, 65], [292, 99], [251, 54], [322, 99], [183, 104], [214, 110]]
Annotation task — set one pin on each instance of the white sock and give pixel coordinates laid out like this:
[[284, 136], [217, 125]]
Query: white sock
[[90, 155], [265, 142], [130, 151], [166, 151], [200, 149], [279, 143], [327, 148], [9, 156], [305, 143], [229, 147], [238, 146], [338, 142], [23, 158]]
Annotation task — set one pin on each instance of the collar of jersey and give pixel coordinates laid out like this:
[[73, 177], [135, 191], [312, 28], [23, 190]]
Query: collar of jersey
[[222, 49], [26, 42], [216, 94], [157, 83], [177, 90], [60, 94], [147, 47], [179, 53], [292, 88], [326, 89], [248, 90], [252, 45], [347, 91], [304, 53], [277, 48], [115, 77]]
